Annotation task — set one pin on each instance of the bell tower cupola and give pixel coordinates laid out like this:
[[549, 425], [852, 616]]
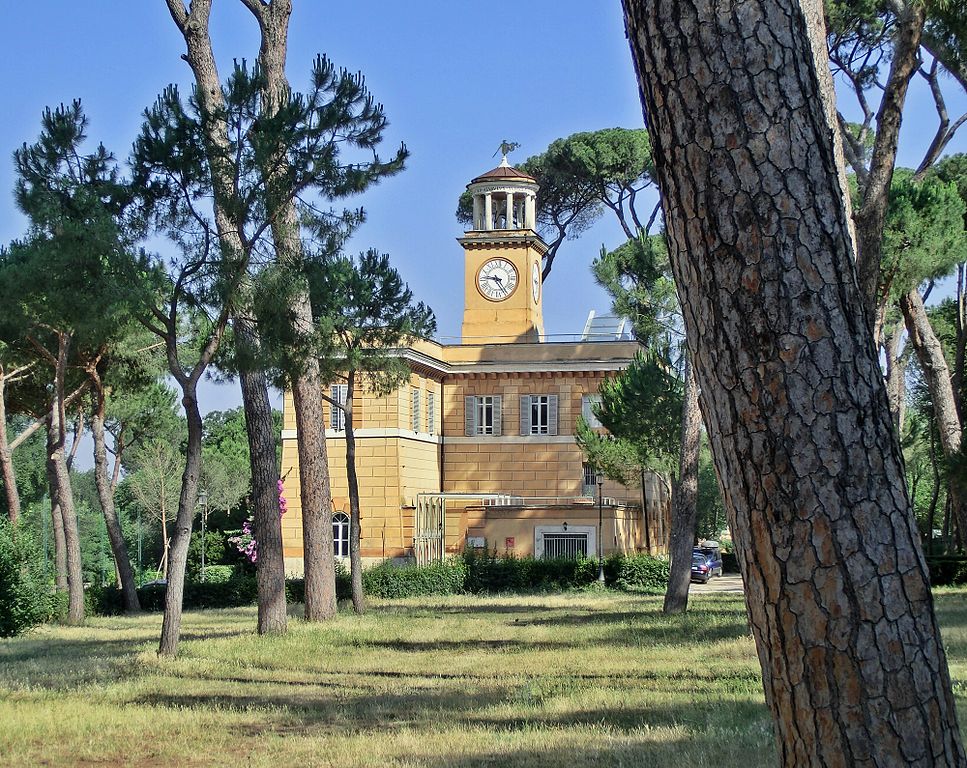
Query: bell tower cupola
[[503, 256]]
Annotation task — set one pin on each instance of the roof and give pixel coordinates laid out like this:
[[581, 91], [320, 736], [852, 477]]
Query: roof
[[504, 172]]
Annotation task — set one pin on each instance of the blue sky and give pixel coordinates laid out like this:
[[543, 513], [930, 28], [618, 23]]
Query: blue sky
[[455, 79]]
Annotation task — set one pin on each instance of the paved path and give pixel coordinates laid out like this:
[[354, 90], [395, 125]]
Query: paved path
[[730, 583]]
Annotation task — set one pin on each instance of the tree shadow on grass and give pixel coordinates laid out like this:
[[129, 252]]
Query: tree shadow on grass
[[463, 646]]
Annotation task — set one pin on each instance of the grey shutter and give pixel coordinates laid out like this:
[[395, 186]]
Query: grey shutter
[[525, 414], [333, 409], [497, 415], [552, 415], [470, 416]]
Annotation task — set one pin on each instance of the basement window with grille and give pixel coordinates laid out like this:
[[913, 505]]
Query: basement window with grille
[[567, 541]]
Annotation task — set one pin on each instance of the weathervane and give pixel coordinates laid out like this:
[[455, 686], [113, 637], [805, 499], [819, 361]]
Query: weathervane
[[505, 148]]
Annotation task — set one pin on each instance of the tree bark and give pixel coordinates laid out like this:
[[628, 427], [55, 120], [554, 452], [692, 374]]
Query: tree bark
[[685, 502], [57, 526], [738, 103], [178, 551], [270, 566], [320, 573], [7, 473], [61, 490], [270, 569], [929, 352], [896, 372], [355, 560], [105, 493], [870, 217]]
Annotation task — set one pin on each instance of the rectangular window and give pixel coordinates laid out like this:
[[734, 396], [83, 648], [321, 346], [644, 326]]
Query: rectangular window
[[482, 415], [588, 404], [415, 409], [430, 412], [565, 545], [538, 414], [337, 416], [589, 486]]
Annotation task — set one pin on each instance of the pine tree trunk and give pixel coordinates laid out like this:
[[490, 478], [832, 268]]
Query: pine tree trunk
[[355, 560], [61, 490], [7, 473], [178, 551], [742, 127], [105, 493], [320, 572], [930, 353], [270, 566], [57, 526], [685, 501], [896, 372]]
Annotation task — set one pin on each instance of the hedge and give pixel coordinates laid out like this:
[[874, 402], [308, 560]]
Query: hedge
[[947, 570], [26, 599], [472, 573]]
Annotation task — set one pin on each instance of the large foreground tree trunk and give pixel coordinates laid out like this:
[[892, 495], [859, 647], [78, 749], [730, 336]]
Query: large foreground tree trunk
[[105, 493], [685, 502], [270, 566], [355, 556], [742, 128]]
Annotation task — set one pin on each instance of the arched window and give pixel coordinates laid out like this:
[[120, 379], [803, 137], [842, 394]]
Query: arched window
[[340, 534]]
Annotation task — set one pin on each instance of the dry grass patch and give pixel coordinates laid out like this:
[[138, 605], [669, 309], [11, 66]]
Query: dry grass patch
[[576, 679]]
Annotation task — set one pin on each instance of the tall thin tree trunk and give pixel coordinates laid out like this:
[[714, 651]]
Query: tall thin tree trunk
[[355, 560], [270, 566], [739, 103], [57, 526], [930, 353], [7, 473], [177, 557], [896, 373], [105, 493], [685, 501], [320, 572], [61, 489]]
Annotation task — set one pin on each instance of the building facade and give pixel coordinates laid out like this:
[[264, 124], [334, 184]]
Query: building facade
[[478, 448]]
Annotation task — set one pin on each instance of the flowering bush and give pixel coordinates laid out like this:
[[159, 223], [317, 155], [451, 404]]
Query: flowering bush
[[245, 542]]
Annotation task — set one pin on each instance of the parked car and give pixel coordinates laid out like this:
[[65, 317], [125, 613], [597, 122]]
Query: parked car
[[706, 563]]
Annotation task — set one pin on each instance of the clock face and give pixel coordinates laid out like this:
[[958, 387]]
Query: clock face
[[536, 282], [497, 279]]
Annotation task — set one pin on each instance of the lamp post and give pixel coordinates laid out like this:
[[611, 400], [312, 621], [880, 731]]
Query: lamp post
[[203, 500], [599, 479]]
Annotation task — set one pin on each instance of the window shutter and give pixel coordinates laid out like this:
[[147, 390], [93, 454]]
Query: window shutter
[[552, 415], [333, 409], [497, 415], [525, 414], [469, 416]]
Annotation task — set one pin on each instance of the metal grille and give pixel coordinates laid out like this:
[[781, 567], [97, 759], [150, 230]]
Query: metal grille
[[569, 545]]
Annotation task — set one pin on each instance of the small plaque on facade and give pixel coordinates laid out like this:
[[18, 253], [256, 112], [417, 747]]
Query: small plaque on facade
[[509, 542]]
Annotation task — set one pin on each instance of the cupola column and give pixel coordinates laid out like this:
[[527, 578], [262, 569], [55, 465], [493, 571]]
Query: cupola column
[[530, 212], [477, 212], [488, 222], [510, 211]]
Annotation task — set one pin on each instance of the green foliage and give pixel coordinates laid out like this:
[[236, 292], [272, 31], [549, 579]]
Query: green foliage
[[644, 405], [486, 572], [711, 507], [26, 598], [392, 581], [924, 237], [947, 570]]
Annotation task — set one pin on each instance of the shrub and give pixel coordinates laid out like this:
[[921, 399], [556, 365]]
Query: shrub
[[389, 580], [217, 574], [26, 599], [947, 570], [639, 571]]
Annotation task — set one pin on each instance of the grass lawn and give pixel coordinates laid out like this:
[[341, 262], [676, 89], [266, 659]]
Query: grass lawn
[[561, 680]]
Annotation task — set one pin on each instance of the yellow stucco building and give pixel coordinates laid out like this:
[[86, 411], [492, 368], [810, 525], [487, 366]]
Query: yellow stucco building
[[478, 448]]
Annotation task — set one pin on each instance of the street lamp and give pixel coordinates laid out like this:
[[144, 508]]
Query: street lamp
[[203, 500], [599, 479]]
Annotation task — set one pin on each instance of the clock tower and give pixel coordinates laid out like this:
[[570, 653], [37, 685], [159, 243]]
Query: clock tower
[[502, 260]]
